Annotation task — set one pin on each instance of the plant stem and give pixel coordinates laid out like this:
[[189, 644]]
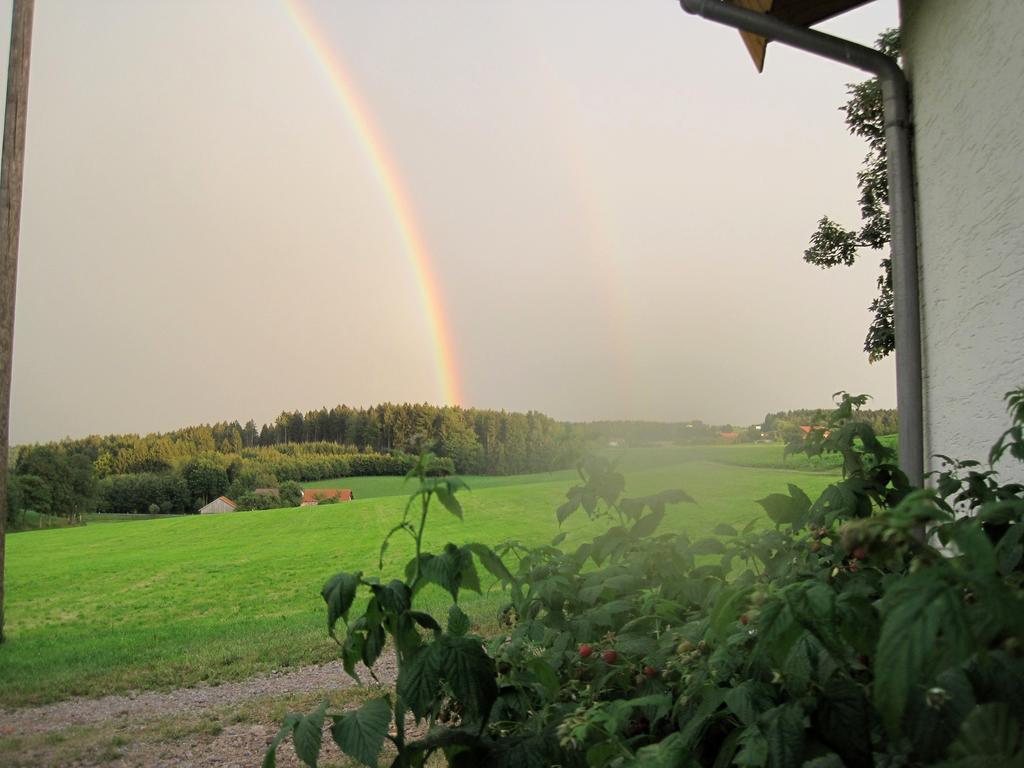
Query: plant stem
[[419, 540]]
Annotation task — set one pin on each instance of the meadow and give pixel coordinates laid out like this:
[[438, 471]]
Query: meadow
[[166, 603]]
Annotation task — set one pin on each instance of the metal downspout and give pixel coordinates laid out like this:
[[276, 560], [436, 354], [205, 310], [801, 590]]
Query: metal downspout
[[903, 223]]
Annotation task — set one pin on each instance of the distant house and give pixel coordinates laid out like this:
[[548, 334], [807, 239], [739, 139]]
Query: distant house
[[314, 496], [728, 437], [220, 504]]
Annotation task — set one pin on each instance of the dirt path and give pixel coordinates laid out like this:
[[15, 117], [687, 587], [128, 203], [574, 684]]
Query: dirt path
[[224, 725]]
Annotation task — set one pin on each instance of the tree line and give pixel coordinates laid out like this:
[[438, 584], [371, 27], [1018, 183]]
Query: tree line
[[646, 433], [179, 471], [784, 425]]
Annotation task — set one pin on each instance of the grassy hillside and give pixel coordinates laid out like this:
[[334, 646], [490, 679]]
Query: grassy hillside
[[375, 487], [166, 603]]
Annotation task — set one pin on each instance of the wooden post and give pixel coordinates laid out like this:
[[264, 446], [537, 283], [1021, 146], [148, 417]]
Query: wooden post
[[11, 169]]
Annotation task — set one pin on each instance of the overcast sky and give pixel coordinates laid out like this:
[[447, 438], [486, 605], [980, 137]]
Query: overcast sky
[[614, 201]]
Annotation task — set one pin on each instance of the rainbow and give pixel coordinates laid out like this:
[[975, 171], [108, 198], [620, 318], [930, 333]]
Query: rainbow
[[385, 170]]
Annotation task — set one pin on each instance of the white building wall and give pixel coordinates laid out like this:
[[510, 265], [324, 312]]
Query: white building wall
[[965, 60]]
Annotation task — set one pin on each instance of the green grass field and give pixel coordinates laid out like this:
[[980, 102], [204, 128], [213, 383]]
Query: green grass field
[[172, 602], [377, 486]]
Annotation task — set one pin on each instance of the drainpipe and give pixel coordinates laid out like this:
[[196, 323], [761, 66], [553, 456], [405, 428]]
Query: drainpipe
[[903, 224]]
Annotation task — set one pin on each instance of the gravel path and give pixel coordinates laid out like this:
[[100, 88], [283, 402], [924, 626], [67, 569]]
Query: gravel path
[[62, 714], [235, 745]]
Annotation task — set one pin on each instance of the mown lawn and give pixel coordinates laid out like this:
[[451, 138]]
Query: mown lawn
[[169, 603], [376, 486]]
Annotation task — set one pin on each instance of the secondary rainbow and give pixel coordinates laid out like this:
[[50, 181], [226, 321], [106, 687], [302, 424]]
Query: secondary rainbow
[[398, 199]]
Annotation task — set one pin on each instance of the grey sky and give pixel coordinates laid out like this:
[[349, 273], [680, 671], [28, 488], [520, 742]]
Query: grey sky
[[615, 201]]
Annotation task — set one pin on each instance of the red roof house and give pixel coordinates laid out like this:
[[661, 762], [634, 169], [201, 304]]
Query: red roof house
[[314, 496]]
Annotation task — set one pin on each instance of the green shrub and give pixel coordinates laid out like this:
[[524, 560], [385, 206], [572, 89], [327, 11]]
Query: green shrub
[[128, 494], [874, 626]]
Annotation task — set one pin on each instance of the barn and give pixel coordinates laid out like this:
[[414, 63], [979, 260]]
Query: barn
[[220, 504]]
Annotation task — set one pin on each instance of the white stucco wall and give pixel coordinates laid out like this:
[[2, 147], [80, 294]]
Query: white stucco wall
[[965, 60]]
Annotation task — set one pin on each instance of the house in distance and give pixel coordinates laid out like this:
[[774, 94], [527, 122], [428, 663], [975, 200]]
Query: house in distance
[[220, 504], [315, 496]]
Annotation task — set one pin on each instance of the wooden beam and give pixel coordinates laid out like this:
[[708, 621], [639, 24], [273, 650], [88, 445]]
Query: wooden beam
[[12, 167]]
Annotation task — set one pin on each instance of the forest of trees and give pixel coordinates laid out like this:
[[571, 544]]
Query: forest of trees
[[785, 424], [179, 471], [640, 433]]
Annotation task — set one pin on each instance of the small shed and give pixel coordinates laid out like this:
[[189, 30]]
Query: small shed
[[314, 496], [220, 504]]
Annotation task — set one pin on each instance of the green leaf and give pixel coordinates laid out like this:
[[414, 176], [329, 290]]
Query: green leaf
[[667, 753], [373, 645], [798, 666], [974, 546], [490, 560], [352, 649], [915, 612], [419, 678], [657, 705], [394, 597], [468, 577], [405, 635], [338, 593], [990, 731], [645, 526], [1009, 551], [608, 542], [727, 751], [471, 674], [439, 738], [671, 496], [787, 510], [813, 605], [708, 547], [447, 498], [933, 720], [728, 607], [458, 621], [785, 736], [360, 734], [722, 529], [270, 759], [843, 721], [748, 700], [545, 675], [308, 735], [696, 724], [837, 502], [567, 509], [442, 570], [753, 749], [425, 620], [831, 760]]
